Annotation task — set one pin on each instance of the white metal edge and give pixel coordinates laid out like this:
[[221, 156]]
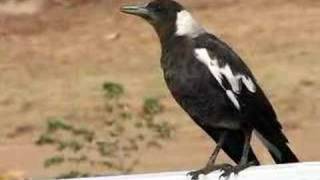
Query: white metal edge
[[297, 171]]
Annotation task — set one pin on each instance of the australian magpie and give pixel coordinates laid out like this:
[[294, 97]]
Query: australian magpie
[[215, 87]]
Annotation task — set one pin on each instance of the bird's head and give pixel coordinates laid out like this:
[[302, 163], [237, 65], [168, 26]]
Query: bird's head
[[167, 17]]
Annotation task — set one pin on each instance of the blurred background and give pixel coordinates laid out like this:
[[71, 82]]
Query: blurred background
[[77, 78]]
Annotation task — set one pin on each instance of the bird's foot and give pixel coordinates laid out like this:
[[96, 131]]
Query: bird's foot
[[236, 169], [208, 169]]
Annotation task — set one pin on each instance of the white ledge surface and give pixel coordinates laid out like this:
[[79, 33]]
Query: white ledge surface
[[299, 171]]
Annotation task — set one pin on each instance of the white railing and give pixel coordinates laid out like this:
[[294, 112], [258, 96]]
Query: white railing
[[299, 171]]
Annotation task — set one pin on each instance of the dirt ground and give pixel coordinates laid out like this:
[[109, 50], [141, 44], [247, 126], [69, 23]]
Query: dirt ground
[[55, 54]]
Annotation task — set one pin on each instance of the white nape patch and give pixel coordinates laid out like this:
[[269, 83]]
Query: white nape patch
[[218, 72], [187, 26], [269, 145], [233, 99]]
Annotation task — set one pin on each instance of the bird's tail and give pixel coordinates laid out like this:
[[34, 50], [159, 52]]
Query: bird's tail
[[279, 150], [287, 156]]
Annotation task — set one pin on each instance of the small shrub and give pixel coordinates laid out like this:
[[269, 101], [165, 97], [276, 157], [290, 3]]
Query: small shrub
[[152, 106], [53, 161], [121, 138], [113, 90]]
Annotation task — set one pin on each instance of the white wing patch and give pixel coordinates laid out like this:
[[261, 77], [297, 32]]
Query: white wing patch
[[249, 84], [187, 26], [235, 80], [232, 79], [233, 99]]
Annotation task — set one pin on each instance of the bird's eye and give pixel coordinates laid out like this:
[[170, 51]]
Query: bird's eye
[[157, 8]]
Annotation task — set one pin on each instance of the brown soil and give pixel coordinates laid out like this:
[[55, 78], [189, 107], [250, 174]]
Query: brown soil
[[54, 56]]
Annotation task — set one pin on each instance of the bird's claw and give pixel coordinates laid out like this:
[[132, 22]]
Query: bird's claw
[[227, 172], [195, 174], [235, 169]]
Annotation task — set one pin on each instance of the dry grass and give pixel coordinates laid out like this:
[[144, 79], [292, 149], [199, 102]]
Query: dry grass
[[53, 62]]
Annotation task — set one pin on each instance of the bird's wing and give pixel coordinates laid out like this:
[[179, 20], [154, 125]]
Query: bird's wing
[[240, 86], [226, 67], [237, 81]]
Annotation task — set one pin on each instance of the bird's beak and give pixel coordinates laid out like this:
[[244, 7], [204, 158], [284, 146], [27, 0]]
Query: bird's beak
[[139, 10]]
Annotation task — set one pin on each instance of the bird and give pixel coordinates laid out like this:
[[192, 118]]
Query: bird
[[215, 87]]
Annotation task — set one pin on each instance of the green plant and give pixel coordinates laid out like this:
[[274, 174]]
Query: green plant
[[116, 143], [113, 90]]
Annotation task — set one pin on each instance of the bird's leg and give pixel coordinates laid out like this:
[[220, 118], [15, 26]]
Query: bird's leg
[[244, 158], [210, 166]]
